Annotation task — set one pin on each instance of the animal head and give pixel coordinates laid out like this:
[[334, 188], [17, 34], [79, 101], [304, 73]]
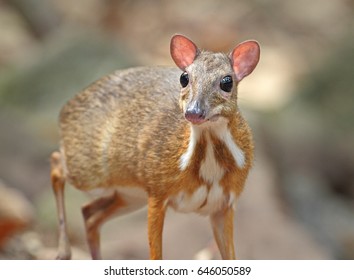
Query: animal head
[[209, 80]]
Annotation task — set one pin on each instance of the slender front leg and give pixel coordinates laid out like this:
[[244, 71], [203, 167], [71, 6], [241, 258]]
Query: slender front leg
[[156, 217], [58, 184], [222, 224]]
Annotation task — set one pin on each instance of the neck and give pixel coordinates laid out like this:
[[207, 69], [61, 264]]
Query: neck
[[219, 141]]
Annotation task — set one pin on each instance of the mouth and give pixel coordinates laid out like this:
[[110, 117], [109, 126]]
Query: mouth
[[199, 121]]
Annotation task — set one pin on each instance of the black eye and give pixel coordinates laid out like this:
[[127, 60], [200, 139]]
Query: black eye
[[226, 83], [184, 79]]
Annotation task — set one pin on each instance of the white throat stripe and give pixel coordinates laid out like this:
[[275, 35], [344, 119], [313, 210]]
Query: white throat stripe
[[221, 130]]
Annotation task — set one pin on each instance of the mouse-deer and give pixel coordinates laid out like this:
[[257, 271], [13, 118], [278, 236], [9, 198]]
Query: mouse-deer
[[160, 136]]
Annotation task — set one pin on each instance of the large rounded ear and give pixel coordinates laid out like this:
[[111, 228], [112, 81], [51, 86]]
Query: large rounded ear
[[245, 57], [183, 51]]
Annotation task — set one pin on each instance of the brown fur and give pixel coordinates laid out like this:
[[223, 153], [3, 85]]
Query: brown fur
[[128, 130], [134, 155]]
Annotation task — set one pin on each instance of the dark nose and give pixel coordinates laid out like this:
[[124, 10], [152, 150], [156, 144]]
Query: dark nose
[[195, 114]]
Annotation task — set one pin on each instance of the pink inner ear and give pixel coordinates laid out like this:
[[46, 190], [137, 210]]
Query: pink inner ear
[[183, 51], [245, 58]]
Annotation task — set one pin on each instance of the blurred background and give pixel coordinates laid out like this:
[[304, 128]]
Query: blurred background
[[299, 199]]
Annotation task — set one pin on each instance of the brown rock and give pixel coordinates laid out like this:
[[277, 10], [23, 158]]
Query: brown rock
[[16, 212]]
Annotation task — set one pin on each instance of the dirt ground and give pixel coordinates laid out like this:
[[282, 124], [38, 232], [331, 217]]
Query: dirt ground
[[298, 201]]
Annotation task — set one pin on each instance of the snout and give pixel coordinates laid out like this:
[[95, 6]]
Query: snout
[[195, 114]]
